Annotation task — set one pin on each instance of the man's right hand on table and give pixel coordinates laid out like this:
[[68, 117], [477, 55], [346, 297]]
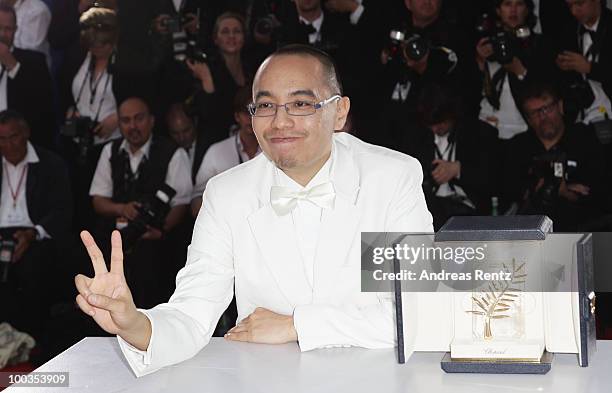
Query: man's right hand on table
[[107, 298]]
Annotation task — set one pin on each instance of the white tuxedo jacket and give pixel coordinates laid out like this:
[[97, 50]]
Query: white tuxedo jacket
[[239, 240]]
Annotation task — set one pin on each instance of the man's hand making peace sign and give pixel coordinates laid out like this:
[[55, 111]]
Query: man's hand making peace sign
[[107, 298]]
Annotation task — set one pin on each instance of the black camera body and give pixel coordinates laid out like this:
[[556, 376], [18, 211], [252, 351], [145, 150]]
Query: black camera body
[[151, 213], [78, 127], [415, 47], [80, 130], [7, 249], [506, 44], [175, 23], [269, 23], [551, 167]]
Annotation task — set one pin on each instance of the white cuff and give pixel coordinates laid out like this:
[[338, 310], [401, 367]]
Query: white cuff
[[137, 359], [356, 15], [41, 234], [13, 73]]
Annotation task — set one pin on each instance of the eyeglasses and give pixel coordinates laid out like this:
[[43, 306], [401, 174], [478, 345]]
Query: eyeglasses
[[542, 111], [295, 108]]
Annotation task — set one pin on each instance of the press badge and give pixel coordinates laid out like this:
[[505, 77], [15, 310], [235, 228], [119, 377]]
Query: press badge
[[14, 217]]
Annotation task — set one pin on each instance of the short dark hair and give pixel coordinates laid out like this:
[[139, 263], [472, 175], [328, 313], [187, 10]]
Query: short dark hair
[[538, 89], [12, 116], [329, 66], [437, 103], [138, 98], [9, 9]]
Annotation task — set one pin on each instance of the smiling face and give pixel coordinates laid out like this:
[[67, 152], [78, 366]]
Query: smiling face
[[297, 144]]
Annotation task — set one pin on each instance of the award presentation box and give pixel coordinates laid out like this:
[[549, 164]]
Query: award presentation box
[[560, 318]]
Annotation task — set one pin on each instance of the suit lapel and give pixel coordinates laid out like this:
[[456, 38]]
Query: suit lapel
[[277, 241]]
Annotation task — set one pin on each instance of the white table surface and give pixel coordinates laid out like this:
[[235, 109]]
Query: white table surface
[[96, 364]]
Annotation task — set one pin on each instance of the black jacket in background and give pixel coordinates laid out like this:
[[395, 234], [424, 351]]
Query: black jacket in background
[[585, 165], [30, 93], [601, 66], [475, 149], [48, 194]]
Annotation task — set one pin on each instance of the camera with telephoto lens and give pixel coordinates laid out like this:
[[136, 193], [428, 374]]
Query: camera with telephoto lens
[[7, 248], [549, 169], [80, 130], [415, 47], [151, 213]]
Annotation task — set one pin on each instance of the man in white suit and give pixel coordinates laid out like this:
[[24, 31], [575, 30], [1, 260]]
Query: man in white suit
[[283, 227]]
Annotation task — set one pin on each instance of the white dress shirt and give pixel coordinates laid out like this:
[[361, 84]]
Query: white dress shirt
[[536, 12], [306, 216], [104, 99], [219, 157], [509, 120], [5, 75], [178, 174], [15, 213], [316, 24], [33, 20]]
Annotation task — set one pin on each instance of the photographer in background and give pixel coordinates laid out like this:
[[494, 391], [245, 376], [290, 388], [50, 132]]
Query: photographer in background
[[25, 83], [183, 129], [232, 151], [457, 154], [555, 168], [91, 120], [508, 56], [423, 48], [35, 214], [94, 114], [229, 68], [178, 31], [142, 187], [585, 61]]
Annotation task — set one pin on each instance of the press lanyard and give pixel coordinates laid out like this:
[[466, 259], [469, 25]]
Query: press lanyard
[[15, 193], [93, 89]]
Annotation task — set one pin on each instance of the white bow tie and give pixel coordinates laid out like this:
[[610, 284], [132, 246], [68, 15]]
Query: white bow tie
[[284, 199]]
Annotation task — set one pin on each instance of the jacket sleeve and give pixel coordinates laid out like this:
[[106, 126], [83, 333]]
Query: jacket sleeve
[[204, 289]]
